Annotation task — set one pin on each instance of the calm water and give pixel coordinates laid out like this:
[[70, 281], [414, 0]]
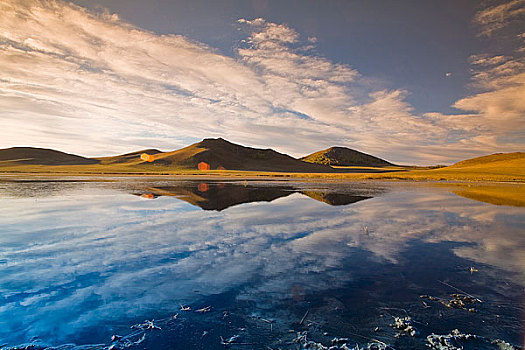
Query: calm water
[[269, 265]]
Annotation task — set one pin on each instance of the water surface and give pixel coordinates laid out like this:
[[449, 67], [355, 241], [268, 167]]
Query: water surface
[[81, 261]]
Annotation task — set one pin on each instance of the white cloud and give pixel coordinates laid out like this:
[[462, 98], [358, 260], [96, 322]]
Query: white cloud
[[497, 17], [92, 84]]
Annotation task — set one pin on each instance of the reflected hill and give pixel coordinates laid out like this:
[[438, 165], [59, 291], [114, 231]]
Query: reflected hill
[[219, 196], [334, 198], [497, 194]]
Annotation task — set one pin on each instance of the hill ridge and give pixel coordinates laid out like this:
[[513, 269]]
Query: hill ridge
[[42, 156], [488, 159], [344, 156], [222, 154], [127, 157]]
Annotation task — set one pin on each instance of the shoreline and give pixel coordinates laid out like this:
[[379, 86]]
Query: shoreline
[[493, 191], [405, 177]]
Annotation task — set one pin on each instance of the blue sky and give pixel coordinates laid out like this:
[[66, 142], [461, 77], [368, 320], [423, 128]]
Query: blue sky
[[419, 82], [404, 44]]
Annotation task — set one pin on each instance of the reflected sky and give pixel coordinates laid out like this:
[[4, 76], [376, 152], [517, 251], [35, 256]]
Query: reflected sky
[[80, 261]]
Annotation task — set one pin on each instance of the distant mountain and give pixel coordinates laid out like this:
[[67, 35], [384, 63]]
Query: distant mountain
[[222, 154], [342, 156], [40, 156]]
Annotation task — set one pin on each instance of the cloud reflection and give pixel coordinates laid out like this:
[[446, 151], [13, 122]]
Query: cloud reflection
[[112, 256]]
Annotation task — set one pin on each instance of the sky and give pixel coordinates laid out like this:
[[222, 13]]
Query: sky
[[413, 82]]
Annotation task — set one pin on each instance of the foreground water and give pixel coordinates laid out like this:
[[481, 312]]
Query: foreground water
[[254, 265]]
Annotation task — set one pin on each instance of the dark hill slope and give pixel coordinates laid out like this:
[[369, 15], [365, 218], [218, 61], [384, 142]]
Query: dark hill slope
[[40, 156], [128, 157], [342, 156], [221, 153]]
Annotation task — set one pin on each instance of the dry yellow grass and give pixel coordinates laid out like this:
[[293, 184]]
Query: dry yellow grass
[[497, 194], [509, 167], [473, 178], [494, 168]]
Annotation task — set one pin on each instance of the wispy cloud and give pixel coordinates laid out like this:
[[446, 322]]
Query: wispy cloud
[[92, 84], [499, 16]]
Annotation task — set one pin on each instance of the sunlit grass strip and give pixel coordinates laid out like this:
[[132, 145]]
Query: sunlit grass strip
[[502, 172]]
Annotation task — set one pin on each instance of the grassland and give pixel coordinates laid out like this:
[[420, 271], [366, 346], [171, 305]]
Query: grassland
[[508, 167], [497, 180], [508, 174]]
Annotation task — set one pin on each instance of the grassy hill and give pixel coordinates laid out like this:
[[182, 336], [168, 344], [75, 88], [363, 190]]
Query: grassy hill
[[133, 157], [508, 167], [218, 153], [222, 154], [230, 160], [498, 166], [502, 161], [40, 156], [342, 156]]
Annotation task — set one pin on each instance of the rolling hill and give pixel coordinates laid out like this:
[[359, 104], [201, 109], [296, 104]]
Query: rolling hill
[[218, 153], [40, 156], [492, 160], [222, 154], [128, 157], [342, 156], [236, 160], [505, 167]]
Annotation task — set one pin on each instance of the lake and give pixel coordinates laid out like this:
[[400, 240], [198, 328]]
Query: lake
[[160, 264]]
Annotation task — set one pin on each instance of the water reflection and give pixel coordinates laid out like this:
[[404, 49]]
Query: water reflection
[[220, 195], [86, 263]]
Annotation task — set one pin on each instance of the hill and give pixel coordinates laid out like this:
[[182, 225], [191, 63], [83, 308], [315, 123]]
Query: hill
[[219, 154], [508, 167], [342, 156], [128, 157], [40, 156], [492, 160], [239, 161], [222, 154]]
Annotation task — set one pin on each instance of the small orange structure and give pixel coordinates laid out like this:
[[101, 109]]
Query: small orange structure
[[203, 166], [203, 187], [147, 157], [220, 167]]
